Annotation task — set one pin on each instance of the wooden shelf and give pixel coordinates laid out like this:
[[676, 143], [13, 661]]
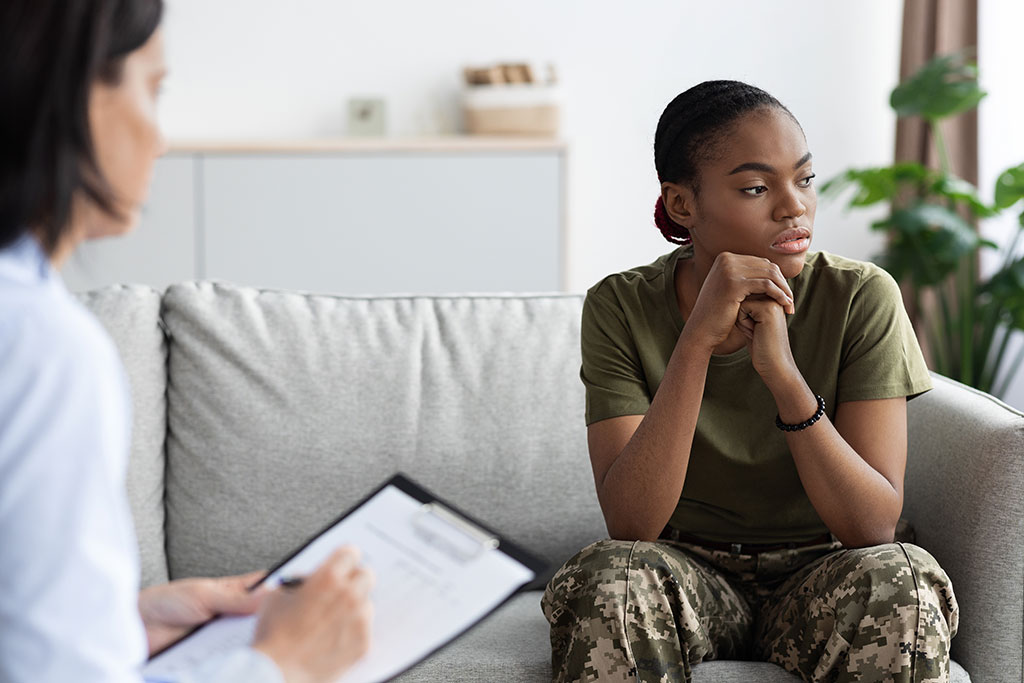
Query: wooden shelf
[[453, 143]]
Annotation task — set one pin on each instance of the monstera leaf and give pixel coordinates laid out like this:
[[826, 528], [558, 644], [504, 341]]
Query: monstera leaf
[[1010, 187], [945, 86]]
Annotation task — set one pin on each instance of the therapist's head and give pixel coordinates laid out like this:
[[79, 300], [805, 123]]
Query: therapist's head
[[78, 129]]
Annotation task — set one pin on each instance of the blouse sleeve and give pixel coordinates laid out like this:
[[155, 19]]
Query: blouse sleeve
[[68, 602]]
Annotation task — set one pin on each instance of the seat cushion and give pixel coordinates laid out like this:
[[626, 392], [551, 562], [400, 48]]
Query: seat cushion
[[284, 409], [512, 645], [131, 315]]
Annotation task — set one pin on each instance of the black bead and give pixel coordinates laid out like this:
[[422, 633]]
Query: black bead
[[806, 423]]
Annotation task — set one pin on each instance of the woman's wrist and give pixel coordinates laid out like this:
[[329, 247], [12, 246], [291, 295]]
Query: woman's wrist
[[695, 344], [795, 400]]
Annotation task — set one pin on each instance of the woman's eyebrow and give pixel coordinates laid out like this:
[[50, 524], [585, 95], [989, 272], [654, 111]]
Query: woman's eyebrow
[[765, 168]]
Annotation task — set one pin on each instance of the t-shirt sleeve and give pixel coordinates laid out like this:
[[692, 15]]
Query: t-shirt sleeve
[[611, 371], [881, 357]]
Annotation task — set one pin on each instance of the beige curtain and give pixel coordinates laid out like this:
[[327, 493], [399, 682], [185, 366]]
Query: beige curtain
[[933, 27]]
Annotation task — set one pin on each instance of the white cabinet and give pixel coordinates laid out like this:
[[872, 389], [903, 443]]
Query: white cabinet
[[352, 218]]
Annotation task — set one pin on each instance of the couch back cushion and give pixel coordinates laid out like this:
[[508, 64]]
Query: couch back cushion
[[132, 317], [284, 409]]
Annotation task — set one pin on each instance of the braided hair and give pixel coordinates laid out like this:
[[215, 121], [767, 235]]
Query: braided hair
[[687, 132]]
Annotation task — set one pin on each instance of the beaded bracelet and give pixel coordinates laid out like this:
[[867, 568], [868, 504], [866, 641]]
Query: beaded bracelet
[[806, 423]]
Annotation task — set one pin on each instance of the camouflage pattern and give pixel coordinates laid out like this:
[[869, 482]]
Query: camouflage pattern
[[625, 611]]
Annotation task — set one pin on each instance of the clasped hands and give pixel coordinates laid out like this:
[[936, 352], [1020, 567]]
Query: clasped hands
[[749, 294]]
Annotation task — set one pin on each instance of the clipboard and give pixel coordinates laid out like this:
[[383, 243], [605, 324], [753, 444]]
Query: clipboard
[[454, 569]]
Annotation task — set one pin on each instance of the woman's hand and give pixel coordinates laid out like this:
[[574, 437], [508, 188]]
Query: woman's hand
[[732, 280], [763, 323], [318, 630], [170, 610]]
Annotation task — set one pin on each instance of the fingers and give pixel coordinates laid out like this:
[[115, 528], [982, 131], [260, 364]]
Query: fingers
[[755, 275], [232, 594]]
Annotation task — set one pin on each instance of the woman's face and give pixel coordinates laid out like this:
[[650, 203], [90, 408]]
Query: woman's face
[[756, 193], [126, 137]]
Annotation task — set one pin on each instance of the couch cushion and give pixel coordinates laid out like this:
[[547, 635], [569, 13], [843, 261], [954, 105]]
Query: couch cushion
[[285, 409], [131, 316], [512, 645]]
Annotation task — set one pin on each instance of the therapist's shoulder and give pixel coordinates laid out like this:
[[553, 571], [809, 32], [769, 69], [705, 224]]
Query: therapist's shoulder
[[47, 337]]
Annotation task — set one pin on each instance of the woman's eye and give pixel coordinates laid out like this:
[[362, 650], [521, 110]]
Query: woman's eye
[[808, 181], [754, 191]]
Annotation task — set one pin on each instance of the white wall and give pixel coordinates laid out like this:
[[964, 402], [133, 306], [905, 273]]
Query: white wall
[[1001, 136], [267, 69]]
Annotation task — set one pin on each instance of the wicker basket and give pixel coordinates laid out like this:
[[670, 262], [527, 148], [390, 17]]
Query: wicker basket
[[511, 109]]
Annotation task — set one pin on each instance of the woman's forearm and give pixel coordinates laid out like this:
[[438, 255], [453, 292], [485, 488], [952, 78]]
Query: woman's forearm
[[641, 489], [856, 502]]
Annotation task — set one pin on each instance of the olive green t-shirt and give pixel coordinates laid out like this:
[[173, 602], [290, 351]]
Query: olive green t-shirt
[[851, 339]]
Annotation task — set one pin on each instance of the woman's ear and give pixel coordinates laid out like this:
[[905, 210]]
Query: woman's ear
[[680, 203]]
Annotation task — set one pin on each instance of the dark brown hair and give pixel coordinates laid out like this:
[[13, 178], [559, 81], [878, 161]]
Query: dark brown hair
[[51, 54], [687, 133]]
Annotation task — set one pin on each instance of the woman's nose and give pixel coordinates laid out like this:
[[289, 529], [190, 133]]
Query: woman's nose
[[790, 206]]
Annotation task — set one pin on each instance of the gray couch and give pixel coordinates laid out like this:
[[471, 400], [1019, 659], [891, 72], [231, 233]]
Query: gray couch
[[260, 415]]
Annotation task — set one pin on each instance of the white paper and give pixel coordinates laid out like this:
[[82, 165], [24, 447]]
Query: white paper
[[434, 579]]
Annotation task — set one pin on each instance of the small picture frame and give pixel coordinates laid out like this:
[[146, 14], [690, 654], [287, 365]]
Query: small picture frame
[[367, 116]]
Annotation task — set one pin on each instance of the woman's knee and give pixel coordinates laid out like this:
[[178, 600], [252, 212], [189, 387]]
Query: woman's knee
[[588, 573], [603, 572], [883, 578]]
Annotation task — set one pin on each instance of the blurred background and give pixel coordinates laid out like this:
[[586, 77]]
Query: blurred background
[[321, 144]]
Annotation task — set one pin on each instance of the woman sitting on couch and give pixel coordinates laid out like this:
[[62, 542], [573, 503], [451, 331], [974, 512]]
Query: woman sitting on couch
[[746, 403]]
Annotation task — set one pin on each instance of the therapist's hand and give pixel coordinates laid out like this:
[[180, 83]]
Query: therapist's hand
[[318, 630], [169, 610]]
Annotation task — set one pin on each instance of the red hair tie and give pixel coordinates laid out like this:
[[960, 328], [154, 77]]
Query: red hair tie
[[670, 230]]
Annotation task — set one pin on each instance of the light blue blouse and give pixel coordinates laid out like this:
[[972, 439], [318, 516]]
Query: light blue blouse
[[68, 557]]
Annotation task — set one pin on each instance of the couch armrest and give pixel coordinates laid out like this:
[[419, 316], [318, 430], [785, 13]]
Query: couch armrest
[[965, 498]]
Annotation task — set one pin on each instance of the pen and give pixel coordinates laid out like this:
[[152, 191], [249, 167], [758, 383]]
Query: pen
[[290, 581]]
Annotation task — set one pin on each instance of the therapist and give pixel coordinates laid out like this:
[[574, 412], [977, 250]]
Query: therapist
[[78, 136]]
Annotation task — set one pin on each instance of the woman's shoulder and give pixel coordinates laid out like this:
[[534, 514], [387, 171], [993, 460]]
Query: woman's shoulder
[[650, 278], [44, 329], [826, 270]]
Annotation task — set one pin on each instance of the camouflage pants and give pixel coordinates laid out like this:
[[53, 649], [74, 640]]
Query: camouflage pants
[[624, 611]]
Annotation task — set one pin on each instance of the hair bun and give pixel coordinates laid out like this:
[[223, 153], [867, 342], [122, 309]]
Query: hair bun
[[670, 230]]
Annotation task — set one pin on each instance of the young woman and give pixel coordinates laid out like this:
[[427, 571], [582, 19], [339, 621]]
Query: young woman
[[78, 132], [746, 412]]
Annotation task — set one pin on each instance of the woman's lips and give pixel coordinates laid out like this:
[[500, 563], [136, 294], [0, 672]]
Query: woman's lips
[[793, 241], [796, 246]]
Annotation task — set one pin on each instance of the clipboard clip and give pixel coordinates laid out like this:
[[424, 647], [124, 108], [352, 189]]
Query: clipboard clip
[[451, 533]]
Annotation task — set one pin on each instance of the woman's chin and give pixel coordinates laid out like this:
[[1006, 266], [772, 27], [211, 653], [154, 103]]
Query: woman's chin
[[113, 226], [792, 265]]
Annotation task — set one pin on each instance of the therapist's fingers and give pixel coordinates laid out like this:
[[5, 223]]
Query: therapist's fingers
[[316, 631], [231, 594]]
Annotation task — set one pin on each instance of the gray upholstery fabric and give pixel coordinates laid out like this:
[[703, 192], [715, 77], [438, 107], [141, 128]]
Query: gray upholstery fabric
[[131, 316], [965, 477], [285, 409], [512, 645]]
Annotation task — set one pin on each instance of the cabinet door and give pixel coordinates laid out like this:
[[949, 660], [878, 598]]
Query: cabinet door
[[161, 250], [385, 223]]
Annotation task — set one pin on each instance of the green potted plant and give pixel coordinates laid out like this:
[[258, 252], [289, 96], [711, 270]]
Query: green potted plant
[[932, 246]]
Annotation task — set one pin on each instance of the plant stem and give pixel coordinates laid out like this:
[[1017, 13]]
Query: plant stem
[[1014, 366], [934, 331], [940, 145], [947, 317], [1007, 332], [988, 362], [1008, 259], [966, 276]]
